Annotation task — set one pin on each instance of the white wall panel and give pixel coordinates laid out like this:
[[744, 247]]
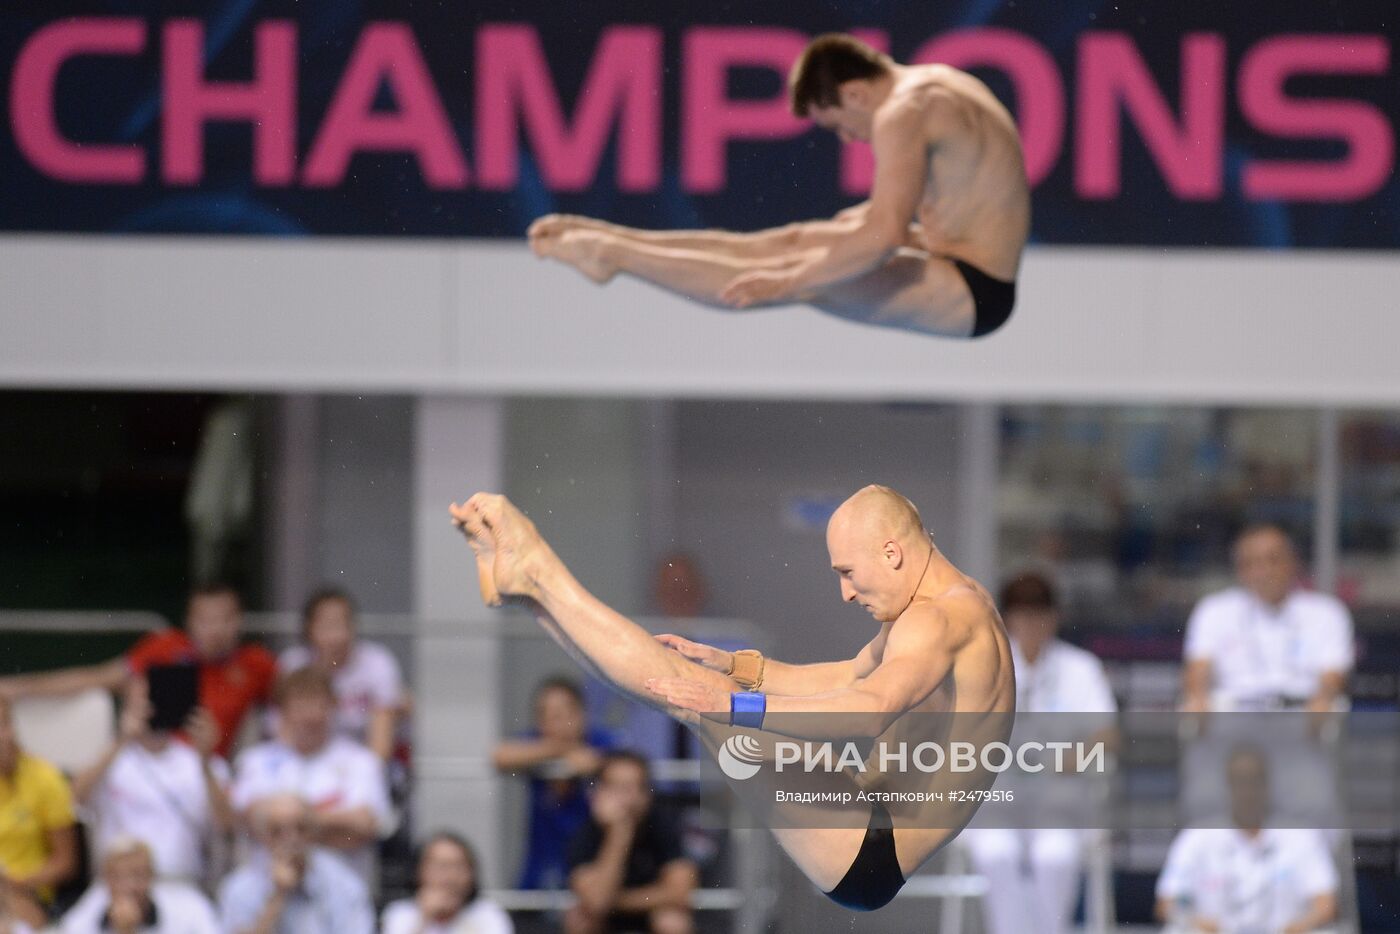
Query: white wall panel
[[487, 317]]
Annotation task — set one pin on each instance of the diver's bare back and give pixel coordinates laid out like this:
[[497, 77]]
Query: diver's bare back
[[976, 201], [980, 689]]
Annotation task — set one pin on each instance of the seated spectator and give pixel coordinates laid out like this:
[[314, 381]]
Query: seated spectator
[[341, 780], [1249, 877], [153, 786], [38, 843], [448, 900], [127, 900], [368, 683], [289, 886], [1035, 873], [232, 677], [557, 755], [1267, 643], [626, 864]]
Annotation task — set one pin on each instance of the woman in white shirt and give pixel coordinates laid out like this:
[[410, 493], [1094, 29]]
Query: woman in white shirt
[[448, 899], [368, 683]]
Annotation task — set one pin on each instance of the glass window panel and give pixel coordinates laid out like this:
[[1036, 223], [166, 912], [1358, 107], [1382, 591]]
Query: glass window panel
[[1134, 508]]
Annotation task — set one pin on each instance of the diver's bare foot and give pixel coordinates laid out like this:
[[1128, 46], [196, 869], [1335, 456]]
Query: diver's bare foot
[[509, 551], [549, 228], [484, 547], [588, 251]]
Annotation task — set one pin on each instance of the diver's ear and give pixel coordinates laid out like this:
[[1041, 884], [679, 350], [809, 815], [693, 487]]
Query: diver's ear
[[894, 555], [854, 94]]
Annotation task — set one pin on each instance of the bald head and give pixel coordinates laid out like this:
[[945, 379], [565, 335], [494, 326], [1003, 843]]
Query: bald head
[[880, 549], [282, 823], [878, 513]]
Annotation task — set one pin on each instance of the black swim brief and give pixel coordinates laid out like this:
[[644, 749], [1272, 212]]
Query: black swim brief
[[992, 298], [874, 877]]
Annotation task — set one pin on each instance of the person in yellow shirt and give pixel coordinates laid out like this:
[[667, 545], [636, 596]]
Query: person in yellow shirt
[[38, 844]]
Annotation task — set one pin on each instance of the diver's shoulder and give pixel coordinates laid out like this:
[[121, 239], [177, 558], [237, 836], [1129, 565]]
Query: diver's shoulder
[[962, 606], [937, 82]]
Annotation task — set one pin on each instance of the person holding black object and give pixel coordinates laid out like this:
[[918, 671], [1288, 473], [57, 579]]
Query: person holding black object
[[626, 865], [233, 677], [151, 784]]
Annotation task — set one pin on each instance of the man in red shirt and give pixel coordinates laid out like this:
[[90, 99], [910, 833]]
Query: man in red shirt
[[232, 677]]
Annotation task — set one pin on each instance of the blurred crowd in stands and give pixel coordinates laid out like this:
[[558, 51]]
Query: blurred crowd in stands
[[249, 793]]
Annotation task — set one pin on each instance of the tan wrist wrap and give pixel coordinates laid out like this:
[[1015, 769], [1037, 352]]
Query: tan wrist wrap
[[746, 667]]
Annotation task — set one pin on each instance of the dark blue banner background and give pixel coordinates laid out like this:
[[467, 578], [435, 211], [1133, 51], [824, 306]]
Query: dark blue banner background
[[114, 99]]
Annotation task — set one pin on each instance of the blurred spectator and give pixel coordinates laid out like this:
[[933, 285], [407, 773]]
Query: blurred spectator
[[126, 899], [448, 900], [232, 677], [38, 842], [1248, 877], [289, 886], [152, 786], [368, 683], [341, 780], [626, 864], [1035, 873], [12, 925], [680, 587], [556, 755], [681, 594], [1266, 644]]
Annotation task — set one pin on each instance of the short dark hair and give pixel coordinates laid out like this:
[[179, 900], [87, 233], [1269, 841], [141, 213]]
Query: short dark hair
[[460, 842], [828, 62], [558, 683], [1028, 591], [217, 589], [303, 682], [319, 596], [631, 756]]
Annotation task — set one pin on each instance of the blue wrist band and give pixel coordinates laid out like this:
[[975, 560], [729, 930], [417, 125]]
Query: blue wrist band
[[746, 709]]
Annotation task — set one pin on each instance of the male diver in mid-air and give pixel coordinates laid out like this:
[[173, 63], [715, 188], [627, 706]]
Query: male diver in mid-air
[[935, 249], [939, 667]]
